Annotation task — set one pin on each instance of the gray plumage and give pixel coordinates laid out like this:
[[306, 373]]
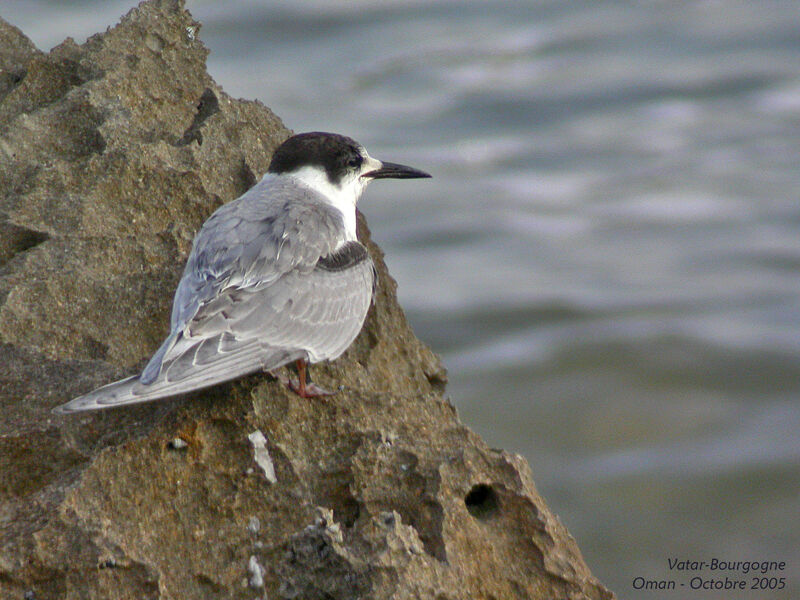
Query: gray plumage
[[270, 279], [275, 276]]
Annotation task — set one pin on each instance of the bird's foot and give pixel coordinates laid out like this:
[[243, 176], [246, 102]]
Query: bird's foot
[[312, 390], [309, 390]]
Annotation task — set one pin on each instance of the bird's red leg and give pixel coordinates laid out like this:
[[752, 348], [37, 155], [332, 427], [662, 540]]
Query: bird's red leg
[[301, 378], [305, 388]]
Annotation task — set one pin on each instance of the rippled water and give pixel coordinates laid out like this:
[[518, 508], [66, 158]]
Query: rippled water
[[608, 255]]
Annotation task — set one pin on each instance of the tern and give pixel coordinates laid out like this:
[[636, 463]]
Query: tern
[[275, 277]]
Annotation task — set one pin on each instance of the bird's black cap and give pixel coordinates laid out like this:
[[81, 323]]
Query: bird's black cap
[[334, 153]]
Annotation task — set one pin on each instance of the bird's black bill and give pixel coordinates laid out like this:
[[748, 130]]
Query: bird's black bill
[[395, 171]]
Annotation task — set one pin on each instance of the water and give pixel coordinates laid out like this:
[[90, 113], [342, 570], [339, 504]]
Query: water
[[608, 255]]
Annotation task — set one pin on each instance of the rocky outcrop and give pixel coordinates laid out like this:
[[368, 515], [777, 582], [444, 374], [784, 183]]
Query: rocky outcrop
[[112, 153]]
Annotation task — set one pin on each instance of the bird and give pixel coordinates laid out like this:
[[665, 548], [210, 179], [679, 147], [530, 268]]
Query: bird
[[275, 277]]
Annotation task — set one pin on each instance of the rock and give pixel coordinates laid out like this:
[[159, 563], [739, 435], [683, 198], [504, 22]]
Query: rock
[[261, 455], [112, 154], [256, 571]]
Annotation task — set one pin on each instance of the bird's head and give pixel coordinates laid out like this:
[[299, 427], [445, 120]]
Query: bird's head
[[334, 165]]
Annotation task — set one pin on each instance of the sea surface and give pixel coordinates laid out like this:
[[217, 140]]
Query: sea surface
[[608, 255]]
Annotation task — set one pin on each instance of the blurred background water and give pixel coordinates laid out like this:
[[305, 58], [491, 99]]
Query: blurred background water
[[608, 255]]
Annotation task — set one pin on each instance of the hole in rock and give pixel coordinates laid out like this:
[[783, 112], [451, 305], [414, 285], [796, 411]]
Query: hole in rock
[[347, 513], [482, 501]]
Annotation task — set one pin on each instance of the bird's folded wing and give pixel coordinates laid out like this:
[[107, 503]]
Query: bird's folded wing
[[312, 315], [271, 230], [264, 285], [320, 311], [249, 243]]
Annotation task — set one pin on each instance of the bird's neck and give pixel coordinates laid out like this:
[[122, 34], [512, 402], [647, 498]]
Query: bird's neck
[[342, 197]]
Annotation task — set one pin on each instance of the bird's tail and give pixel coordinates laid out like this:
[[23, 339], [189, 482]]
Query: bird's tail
[[173, 380], [125, 391]]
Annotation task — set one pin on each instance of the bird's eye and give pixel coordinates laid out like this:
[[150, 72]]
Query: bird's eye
[[355, 162]]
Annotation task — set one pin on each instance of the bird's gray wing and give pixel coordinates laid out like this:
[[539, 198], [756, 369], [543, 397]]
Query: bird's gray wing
[[313, 315], [277, 226], [263, 285]]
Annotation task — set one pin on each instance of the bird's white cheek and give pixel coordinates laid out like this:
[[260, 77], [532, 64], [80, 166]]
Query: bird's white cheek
[[343, 196], [345, 199]]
